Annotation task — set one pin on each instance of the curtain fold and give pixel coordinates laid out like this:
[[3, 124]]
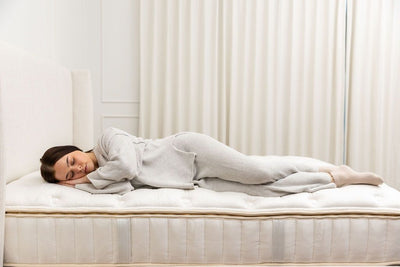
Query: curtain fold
[[179, 68], [287, 78], [265, 77], [2, 181], [374, 87], [2, 207]]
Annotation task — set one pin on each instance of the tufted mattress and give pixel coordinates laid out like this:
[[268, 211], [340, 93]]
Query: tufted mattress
[[50, 224]]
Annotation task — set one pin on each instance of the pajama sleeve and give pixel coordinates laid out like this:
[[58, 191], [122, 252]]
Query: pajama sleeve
[[122, 163], [115, 188]]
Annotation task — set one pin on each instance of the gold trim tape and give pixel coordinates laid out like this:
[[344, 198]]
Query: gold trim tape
[[230, 212], [206, 264], [227, 216]]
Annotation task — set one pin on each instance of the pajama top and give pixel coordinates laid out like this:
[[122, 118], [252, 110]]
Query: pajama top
[[123, 165]]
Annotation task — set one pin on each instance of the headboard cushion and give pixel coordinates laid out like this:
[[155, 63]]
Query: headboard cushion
[[36, 110]]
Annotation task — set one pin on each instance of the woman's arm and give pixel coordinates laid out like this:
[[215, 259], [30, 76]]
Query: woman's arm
[[120, 152], [85, 185], [72, 183]]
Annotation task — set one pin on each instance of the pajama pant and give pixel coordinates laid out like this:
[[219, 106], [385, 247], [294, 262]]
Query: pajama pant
[[222, 168]]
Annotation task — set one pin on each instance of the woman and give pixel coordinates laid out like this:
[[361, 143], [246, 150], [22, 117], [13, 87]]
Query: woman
[[121, 162]]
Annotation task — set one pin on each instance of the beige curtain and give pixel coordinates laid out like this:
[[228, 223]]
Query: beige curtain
[[374, 87], [286, 77], [2, 183], [265, 77], [180, 65], [2, 206]]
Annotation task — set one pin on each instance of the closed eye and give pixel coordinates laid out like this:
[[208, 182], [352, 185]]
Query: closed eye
[[69, 163], [70, 175]]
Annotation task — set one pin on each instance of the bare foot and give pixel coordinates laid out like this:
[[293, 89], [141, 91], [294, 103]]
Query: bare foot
[[344, 175]]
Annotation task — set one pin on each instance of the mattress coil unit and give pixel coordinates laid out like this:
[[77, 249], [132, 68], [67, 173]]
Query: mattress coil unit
[[195, 239]]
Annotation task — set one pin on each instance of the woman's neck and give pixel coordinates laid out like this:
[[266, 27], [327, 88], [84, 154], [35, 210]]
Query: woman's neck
[[92, 156]]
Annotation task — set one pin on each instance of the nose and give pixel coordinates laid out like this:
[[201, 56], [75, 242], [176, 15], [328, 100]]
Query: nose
[[78, 168]]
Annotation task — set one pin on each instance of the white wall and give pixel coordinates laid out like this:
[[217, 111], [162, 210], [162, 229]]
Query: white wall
[[85, 34]]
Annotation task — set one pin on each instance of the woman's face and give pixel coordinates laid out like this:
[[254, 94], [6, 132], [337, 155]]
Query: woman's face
[[73, 166]]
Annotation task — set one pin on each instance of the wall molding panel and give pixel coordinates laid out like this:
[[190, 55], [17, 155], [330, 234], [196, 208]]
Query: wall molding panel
[[120, 50], [124, 122], [118, 104]]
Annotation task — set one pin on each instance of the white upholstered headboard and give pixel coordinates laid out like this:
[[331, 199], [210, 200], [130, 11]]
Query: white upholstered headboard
[[42, 104], [36, 103], [40, 109]]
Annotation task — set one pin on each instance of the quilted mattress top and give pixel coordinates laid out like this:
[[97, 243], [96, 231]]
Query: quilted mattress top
[[30, 194]]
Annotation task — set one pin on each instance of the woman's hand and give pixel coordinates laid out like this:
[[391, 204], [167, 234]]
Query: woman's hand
[[72, 183]]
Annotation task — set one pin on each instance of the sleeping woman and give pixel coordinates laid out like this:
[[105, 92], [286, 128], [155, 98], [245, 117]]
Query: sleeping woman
[[121, 162]]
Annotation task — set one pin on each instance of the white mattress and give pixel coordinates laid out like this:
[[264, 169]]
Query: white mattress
[[48, 223]]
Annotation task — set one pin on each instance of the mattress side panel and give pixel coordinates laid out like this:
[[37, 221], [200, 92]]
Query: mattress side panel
[[200, 240]]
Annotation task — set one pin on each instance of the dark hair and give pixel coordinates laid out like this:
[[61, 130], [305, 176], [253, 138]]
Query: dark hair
[[50, 157]]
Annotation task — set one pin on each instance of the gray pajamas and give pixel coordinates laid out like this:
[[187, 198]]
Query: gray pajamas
[[184, 160], [221, 168]]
